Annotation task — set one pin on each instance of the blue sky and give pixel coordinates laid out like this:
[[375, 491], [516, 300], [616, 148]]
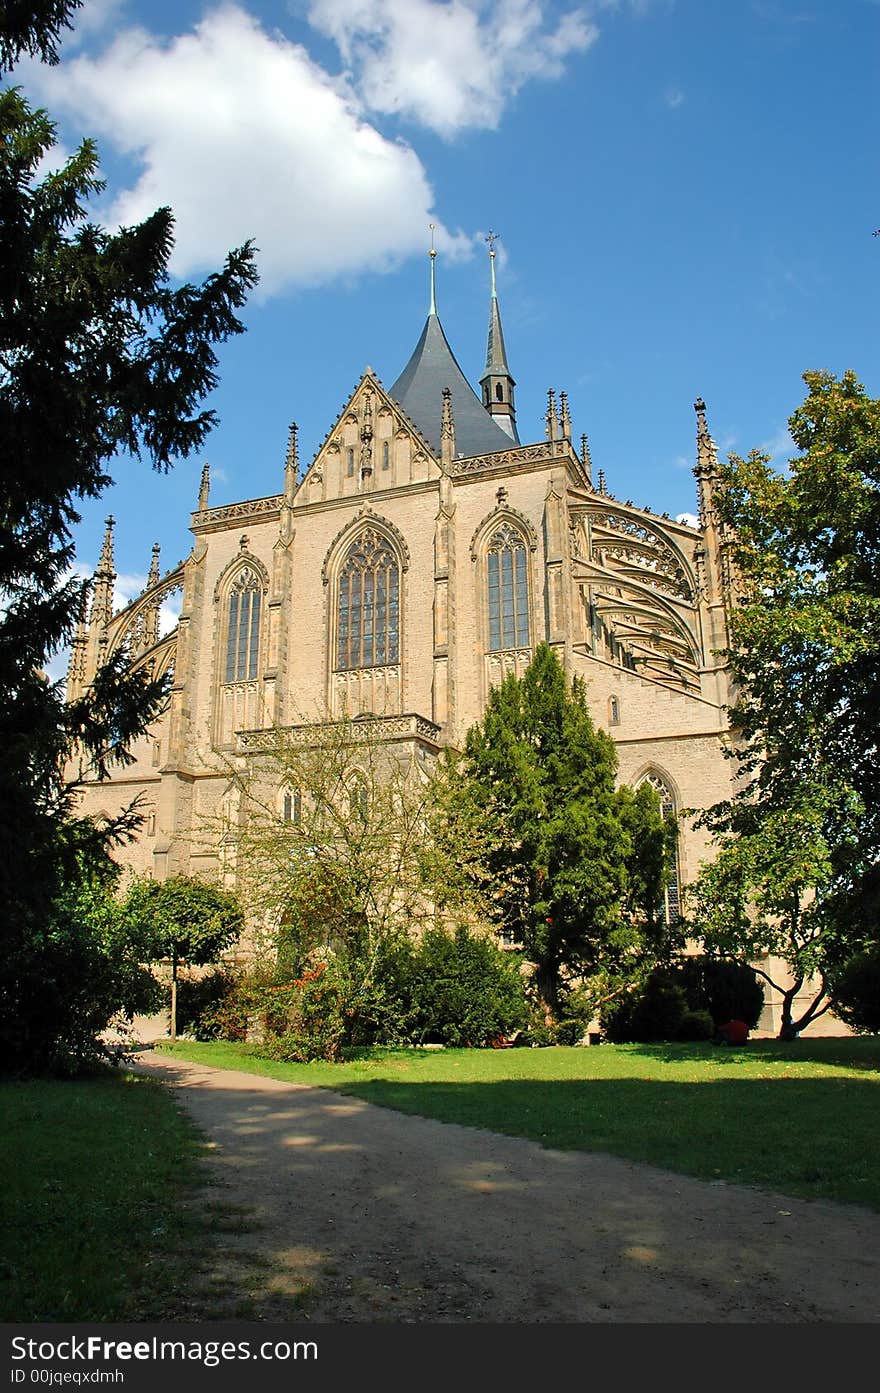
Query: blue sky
[[686, 192]]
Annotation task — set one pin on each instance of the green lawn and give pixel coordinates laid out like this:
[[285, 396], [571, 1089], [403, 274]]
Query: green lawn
[[94, 1174], [801, 1118]]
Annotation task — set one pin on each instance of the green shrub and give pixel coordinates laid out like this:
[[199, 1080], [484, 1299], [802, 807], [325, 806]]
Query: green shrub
[[307, 1020], [204, 1002], [464, 990], [695, 1025], [856, 992], [652, 1013], [729, 990]]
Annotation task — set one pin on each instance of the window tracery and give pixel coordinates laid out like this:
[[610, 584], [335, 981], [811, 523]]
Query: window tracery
[[507, 589], [243, 627], [368, 613], [670, 906]]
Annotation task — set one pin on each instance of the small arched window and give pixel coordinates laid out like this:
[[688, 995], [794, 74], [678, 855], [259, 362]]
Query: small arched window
[[671, 905], [291, 805], [349, 469], [368, 615], [499, 392], [243, 627], [507, 589], [386, 455], [613, 711], [358, 797]]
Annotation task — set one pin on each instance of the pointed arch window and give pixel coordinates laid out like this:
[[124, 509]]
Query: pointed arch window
[[243, 627], [670, 907], [368, 613], [508, 589]]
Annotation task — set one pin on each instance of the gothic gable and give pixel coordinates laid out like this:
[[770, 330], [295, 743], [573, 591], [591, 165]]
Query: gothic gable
[[372, 446]]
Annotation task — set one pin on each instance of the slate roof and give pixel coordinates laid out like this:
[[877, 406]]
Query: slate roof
[[419, 390]]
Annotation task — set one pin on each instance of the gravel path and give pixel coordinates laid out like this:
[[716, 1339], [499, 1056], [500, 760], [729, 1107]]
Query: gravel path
[[354, 1213]]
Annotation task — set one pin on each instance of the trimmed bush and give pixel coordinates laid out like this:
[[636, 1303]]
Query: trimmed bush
[[729, 990], [464, 990], [856, 990]]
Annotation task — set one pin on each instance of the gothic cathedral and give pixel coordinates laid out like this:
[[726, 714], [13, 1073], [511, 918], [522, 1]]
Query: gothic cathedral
[[420, 557]]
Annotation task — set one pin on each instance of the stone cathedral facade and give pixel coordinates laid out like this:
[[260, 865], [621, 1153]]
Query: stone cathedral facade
[[423, 554]]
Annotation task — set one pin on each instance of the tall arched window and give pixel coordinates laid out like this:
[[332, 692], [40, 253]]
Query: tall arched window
[[243, 627], [670, 906], [508, 589], [368, 615]]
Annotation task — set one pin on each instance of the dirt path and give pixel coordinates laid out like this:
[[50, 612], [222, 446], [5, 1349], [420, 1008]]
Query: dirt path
[[352, 1212]]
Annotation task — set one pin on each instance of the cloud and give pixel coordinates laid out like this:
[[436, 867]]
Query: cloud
[[689, 519], [449, 64], [245, 136], [673, 97]]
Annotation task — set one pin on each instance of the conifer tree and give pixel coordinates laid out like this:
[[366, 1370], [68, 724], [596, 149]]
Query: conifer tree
[[578, 866], [100, 357]]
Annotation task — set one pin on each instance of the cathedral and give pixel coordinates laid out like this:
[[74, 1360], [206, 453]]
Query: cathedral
[[420, 557]]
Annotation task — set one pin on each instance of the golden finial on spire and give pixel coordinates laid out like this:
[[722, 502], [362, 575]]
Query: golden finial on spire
[[432, 254]]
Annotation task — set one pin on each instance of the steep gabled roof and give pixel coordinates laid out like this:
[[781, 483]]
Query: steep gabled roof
[[419, 390]]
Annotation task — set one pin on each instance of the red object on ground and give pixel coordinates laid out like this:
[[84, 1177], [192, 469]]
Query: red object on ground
[[734, 1032]]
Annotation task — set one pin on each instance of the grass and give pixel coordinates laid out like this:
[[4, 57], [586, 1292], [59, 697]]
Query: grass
[[799, 1118], [95, 1174]]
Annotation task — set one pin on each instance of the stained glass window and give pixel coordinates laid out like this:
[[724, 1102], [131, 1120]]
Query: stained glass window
[[243, 631], [670, 906], [368, 616], [508, 590]]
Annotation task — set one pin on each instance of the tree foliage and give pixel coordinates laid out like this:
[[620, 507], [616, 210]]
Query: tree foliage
[[100, 357], [799, 843], [183, 920], [577, 867]]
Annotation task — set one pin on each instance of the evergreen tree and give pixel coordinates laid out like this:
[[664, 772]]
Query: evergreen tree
[[100, 357], [574, 862]]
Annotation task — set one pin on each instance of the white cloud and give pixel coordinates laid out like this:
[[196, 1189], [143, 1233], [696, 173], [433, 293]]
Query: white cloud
[[673, 97], [245, 136], [449, 64], [780, 447], [689, 519]]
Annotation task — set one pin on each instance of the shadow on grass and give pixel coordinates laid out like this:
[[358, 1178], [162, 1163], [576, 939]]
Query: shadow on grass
[[862, 1052], [816, 1138]]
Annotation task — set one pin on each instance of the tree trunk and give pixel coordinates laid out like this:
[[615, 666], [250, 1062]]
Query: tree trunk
[[173, 1030]]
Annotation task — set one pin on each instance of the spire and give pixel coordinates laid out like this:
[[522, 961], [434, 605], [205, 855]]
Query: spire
[[602, 489], [564, 417], [497, 382], [105, 579], [204, 487], [150, 633], [432, 308], [153, 577], [291, 463], [586, 458], [706, 468], [551, 420], [447, 430]]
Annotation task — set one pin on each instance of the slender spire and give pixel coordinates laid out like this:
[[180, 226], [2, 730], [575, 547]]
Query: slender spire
[[602, 488], [551, 420], [291, 463], [586, 458], [432, 309], [150, 633], [564, 417], [706, 468], [497, 382], [105, 579], [205, 487], [153, 577], [447, 430]]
